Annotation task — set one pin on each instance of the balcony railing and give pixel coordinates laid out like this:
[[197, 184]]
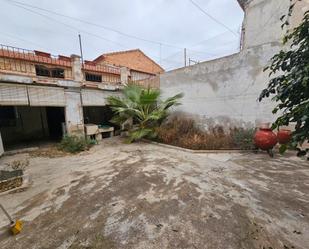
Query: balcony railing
[[9, 52], [101, 68]]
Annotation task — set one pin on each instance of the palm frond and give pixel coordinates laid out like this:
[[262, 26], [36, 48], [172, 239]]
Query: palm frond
[[139, 134], [143, 106], [155, 115], [116, 101], [149, 96], [119, 119], [172, 101], [133, 93]]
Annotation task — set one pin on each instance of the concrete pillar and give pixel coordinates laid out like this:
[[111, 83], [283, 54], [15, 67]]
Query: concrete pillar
[[74, 118], [124, 75], [77, 68], [1, 146]]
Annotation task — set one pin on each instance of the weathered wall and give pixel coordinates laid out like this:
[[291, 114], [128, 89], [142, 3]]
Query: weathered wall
[[225, 90], [74, 119]]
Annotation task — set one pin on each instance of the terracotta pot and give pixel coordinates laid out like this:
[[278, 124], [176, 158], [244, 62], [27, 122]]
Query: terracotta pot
[[284, 136], [265, 139]]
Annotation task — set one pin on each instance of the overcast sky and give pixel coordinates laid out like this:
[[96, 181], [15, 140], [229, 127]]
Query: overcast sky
[[176, 24]]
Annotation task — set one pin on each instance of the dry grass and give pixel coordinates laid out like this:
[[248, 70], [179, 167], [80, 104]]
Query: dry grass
[[184, 132], [50, 152]]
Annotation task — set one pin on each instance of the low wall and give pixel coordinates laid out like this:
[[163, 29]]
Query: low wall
[[10, 179]]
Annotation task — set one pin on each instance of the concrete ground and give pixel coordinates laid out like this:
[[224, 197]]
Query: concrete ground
[[145, 196]]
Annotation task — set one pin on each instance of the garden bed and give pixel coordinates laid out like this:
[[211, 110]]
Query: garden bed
[[186, 134]]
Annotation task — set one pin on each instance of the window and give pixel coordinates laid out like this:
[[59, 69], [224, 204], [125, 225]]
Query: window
[[93, 77], [49, 72], [57, 73], [42, 71]]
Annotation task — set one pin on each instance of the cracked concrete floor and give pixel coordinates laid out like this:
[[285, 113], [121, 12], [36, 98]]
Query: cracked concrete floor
[[146, 196]]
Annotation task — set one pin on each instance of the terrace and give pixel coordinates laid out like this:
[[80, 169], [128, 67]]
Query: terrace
[[47, 68]]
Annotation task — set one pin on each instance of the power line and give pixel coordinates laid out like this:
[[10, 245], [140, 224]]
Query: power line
[[86, 32], [208, 39], [21, 5], [97, 25], [213, 18], [73, 28], [22, 39], [69, 26]]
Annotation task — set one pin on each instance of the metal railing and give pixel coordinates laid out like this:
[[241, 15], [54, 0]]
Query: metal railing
[[101, 69], [109, 74], [32, 56], [19, 60]]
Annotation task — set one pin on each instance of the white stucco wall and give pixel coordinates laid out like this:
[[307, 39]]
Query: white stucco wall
[[225, 90]]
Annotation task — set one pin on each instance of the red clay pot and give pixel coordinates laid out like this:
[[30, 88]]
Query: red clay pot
[[265, 139], [284, 136]]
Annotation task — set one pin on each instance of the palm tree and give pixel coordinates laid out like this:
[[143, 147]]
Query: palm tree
[[144, 107]]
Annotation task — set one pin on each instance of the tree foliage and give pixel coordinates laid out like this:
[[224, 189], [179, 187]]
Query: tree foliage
[[144, 107], [289, 83]]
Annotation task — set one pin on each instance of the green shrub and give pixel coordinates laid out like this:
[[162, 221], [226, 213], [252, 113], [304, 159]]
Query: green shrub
[[74, 144], [243, 138]]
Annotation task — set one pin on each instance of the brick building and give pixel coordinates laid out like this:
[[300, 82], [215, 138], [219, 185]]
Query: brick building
[[43, 96], [139, 65]]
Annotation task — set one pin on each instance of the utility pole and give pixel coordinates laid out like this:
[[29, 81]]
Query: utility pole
[[185, 56], [81, 50], [160, 53]]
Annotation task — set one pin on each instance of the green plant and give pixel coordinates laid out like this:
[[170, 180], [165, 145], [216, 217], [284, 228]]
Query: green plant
[[290, 84], [243, 138], [144, 107], [74, 144]]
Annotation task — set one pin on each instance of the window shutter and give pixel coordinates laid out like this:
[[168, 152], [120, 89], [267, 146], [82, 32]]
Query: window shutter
[[13, 94], [46, 96], [93, 98]]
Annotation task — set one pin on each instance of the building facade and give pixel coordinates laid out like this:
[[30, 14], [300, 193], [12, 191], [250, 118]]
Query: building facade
[[44, 96], [137, 67]]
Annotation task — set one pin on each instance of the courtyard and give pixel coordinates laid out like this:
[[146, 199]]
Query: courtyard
[[143, 195]]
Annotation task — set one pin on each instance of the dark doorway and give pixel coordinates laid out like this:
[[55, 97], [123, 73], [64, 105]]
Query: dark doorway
[[26, 126], [55, 118], [99, 115]]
